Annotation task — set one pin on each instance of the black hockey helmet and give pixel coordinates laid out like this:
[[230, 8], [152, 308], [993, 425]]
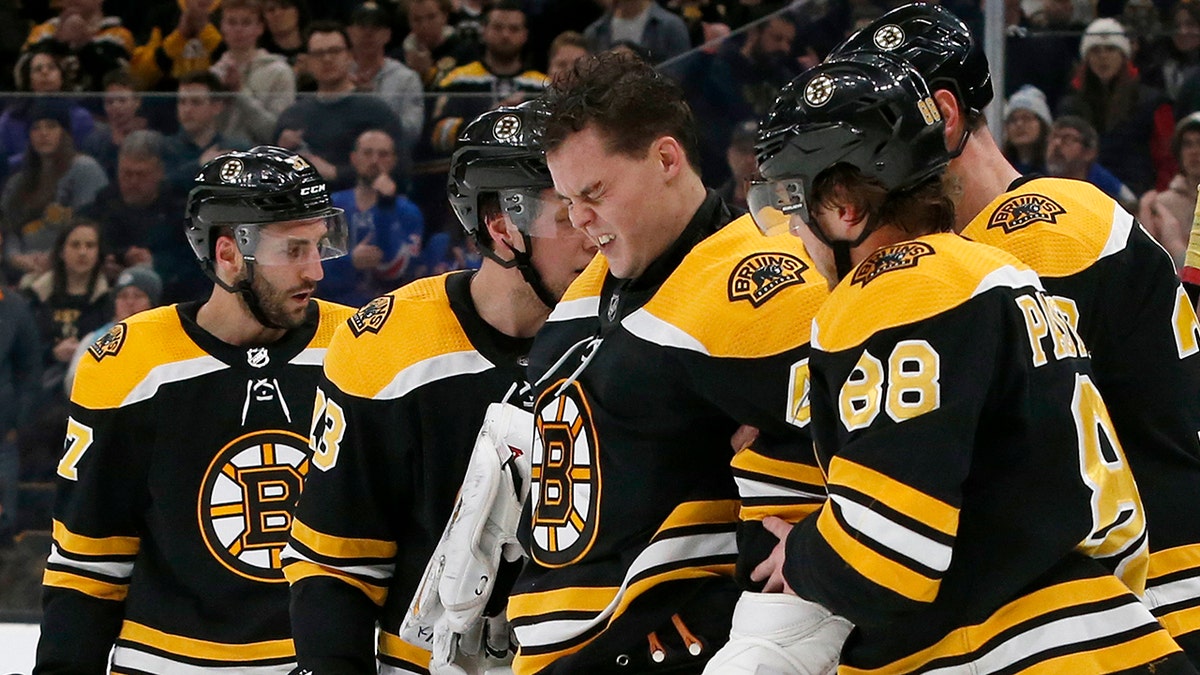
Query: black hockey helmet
[[936, 42], [243, 191], [500, 153], [869, 110]]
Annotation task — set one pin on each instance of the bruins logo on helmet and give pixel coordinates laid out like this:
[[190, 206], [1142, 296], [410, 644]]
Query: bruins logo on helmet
[[760, 276], [819, 91], [110, 343], [506, 127], [1024, 210], [370, 318], [565, 478], [888, 37], [891, 258], [247, 498]]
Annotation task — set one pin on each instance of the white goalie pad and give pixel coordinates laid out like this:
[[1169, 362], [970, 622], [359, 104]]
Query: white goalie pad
[[447, 612], [779, 634]]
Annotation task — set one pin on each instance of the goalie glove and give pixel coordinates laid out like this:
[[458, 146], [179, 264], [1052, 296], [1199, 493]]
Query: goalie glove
[[479, 543], [779, 634]]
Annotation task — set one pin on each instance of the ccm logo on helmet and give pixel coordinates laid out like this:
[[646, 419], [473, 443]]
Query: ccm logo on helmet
[[312, 190]]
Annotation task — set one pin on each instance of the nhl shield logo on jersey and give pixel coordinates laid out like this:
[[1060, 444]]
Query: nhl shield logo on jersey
[[1024, 210], [110, 343], [246, 501], [370, 318], [566, 477], [889, 259], [760, 276]]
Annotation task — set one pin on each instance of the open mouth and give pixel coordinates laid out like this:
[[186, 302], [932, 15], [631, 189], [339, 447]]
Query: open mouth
[[604, 239]]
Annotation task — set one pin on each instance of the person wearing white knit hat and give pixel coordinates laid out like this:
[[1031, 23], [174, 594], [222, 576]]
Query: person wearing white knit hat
[[1026, 125], [1105, 32]]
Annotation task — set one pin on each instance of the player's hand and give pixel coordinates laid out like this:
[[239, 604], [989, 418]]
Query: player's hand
[[743, 437], [771, 569]]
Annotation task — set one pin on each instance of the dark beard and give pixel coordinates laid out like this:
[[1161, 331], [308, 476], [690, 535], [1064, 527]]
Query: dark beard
[[272, 302]]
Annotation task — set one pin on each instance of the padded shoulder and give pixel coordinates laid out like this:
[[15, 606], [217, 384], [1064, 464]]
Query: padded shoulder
[[737, 294], [913, 281]]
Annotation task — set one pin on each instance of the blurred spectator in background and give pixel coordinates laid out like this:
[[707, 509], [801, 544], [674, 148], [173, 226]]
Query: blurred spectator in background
[[286, 21], [20, 385], [41, 73], [264, 83], [642, 22], [1135, 122], [182, 41], [52, 182], [740, 81], [432, 47], [91, 44], [565, 51], [122, 116], [136, 289], [1026, 127], [742, 165], [1040, 51], [199, 106], [385, 228], [498, 78], [138, 217], [373, 71], [1168, 214], [69, 300], [1171, 58], [323, 127], [1071, 152], [468, 19]]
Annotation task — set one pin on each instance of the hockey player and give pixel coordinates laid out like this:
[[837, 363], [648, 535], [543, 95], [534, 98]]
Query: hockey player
[[661, 348], [981, 517], [1114, 281], [186, 445], [407, 383]]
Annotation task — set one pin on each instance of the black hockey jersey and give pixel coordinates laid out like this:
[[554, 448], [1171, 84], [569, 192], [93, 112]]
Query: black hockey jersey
[[978, 496], [184, 458], [1120, 289], [637, 497], [406, 385]]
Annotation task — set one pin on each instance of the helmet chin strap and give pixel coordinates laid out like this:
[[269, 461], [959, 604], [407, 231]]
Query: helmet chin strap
[[244, 288], [523, 262], [841, 247]]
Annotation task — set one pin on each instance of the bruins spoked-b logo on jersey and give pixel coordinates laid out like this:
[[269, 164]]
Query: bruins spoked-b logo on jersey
[[760, 276], [110, 343], [566, 477], [247, 498], [1024, 210], [370, 318], [896, 257]]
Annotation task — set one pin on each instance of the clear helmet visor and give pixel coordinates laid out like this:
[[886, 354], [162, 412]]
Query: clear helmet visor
[[778, 206], [294, 242], [537, 212]]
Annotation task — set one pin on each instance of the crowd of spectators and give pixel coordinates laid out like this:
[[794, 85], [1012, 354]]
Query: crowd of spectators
[[112, 109]]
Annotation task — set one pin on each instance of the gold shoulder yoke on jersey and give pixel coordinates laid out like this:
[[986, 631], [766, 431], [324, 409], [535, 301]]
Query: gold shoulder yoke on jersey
[[124, 357], [589, 282], [1057, 226], [912, 281], [742, 295], [404, 328], [332, 315]]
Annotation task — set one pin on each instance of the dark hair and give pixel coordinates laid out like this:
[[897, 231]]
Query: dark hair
[[630, 104], [59, 266], [445, 6], [326, 26], [37, 179], [25, 66], [204, 78], [504, 6], [922, 209], [1091, 139], [118, 77]]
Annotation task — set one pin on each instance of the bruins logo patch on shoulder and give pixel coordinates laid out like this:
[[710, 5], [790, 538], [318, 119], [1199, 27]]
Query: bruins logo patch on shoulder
[[898, 257], [371, 317], [760, 276], [1024, 210], [110, 343]]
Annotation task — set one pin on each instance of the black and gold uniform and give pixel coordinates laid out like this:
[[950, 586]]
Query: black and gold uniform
[[184, 458], [981, 517], [406, 385], [637, 498], [1119, 288]]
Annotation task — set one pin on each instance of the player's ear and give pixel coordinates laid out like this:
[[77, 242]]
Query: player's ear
[[948, 107]]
